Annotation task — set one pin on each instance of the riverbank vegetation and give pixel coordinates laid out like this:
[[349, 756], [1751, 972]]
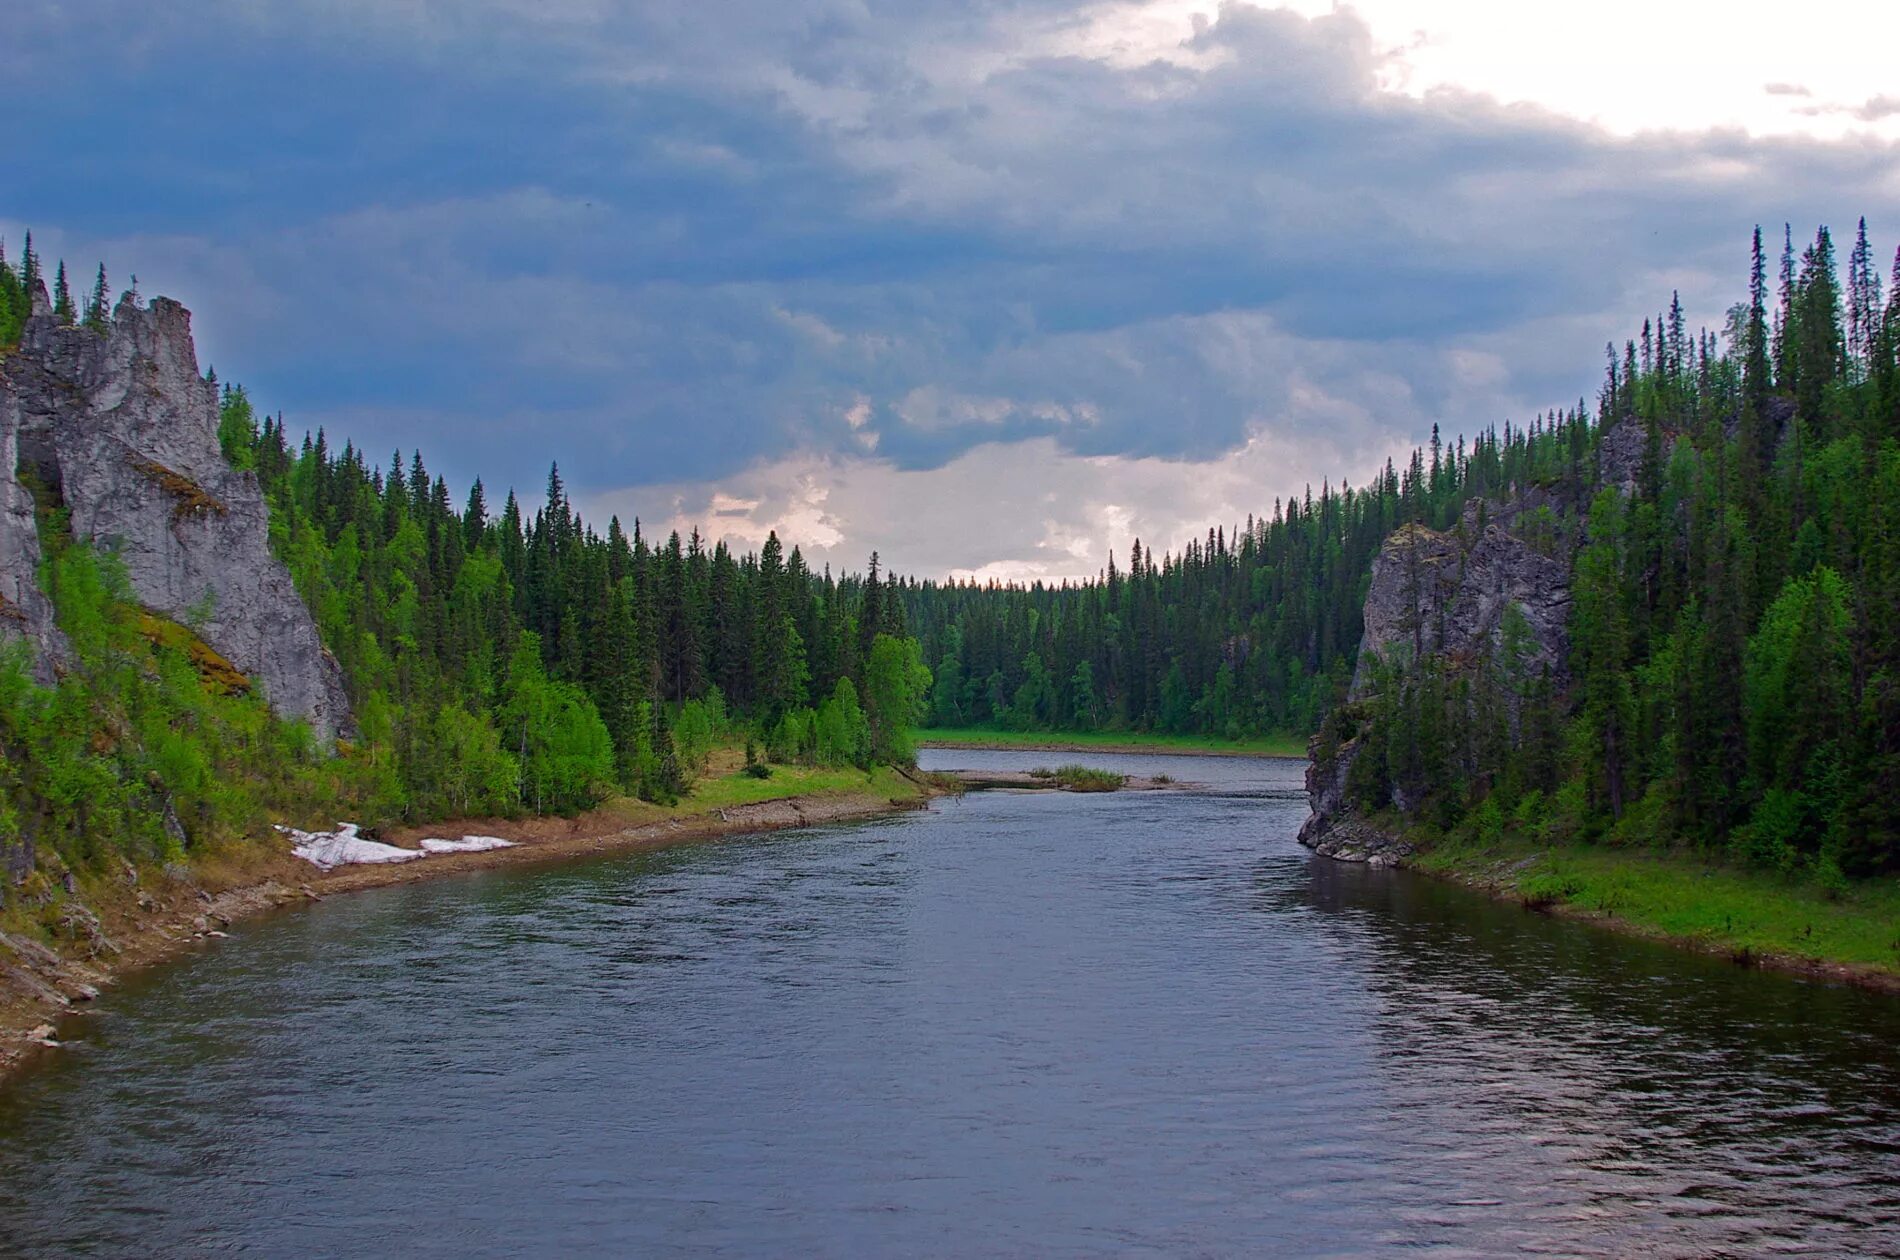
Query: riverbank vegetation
[[1750, 915], [1079, 778]]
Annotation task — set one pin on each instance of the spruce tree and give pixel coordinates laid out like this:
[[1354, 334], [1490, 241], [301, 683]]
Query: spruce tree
[[99, 305], [13, 302], [63, 310], [30, 278]]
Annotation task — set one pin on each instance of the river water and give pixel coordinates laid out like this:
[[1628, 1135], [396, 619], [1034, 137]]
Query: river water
[[1019, 1024]]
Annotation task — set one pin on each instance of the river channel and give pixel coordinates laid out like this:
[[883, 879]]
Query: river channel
[[1018, 1024]]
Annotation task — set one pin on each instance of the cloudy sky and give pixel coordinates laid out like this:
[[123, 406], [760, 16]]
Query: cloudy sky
[[989, 285]]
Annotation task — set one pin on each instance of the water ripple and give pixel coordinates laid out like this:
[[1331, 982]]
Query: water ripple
[[1019, 1025]]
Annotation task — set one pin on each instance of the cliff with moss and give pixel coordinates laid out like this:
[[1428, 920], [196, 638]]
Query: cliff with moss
[[118, 431]]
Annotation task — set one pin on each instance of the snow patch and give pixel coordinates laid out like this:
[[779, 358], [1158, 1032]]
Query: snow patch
[[467, 844], [327, 850]]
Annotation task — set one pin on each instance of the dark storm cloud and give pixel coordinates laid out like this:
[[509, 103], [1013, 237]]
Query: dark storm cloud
[[663, 242]]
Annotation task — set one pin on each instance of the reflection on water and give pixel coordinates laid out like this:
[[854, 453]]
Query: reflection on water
[[1021, 1024]]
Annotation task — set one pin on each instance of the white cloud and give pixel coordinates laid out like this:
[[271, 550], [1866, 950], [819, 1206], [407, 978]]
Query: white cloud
[[1633, 65], [1024, 511]]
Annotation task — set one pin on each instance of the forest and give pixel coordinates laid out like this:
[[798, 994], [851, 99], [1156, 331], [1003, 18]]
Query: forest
[[485, 650], [1734, 676], [1733, 681], [496, 662]]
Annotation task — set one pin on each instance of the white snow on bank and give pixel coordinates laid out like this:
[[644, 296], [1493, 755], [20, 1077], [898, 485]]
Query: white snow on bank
[[327, 850], [467, 844]]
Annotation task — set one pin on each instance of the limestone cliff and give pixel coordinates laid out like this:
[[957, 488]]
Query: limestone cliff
[[24, 608], [1444, 596], [124, 429]]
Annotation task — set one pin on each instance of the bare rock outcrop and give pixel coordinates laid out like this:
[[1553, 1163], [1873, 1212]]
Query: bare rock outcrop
[[125, 430], [1446, 594], [25, 612]]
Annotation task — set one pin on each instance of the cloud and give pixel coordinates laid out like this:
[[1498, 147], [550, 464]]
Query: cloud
[[1878, 107], [1872, 110], [818, 239], [1023, 512]]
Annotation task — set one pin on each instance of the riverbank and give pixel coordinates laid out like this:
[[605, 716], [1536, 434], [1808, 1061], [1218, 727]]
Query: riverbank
[[1753, 918], [150, 917], [1110, 742]]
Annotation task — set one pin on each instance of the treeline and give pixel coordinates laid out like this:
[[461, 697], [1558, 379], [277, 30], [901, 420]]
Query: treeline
[[1245, 633], [1734, 672], [502, 660], [17, 287]]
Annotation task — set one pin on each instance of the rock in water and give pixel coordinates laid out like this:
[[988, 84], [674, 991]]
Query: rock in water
[[125, 430]]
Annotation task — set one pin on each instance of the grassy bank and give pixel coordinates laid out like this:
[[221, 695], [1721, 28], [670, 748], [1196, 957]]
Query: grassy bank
[[726, 787], [1752, 916], [1111, 741]]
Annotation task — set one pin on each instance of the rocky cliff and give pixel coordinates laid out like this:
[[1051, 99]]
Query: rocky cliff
[[124, 430], [1444, 596], [24, 608]]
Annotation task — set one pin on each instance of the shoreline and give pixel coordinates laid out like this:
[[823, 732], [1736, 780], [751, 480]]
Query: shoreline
[[1865, 976], [1503, 874], [1056, 743], [167, 918]]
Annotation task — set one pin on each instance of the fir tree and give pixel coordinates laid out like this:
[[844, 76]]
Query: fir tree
[[99, 305], [63, 309]]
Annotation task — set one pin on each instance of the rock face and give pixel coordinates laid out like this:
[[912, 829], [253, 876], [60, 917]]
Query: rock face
[[24, 609], [125, 430], [1440, 595], [1445, 594], [1332, 830]]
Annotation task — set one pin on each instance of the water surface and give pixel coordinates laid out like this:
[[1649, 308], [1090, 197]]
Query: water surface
[[1022, 1024]]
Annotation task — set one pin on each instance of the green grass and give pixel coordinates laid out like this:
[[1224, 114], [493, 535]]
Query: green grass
[[1085, 778], [737, 788], [1686, 899], [1111, 741]]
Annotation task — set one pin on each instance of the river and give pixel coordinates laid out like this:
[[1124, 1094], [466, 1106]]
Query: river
[[1019, 1024]]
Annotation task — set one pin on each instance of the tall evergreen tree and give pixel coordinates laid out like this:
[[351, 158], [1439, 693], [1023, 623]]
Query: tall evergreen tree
[[99, 305], [63, 309]]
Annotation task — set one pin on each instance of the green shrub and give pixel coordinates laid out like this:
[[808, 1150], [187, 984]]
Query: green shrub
[[1078, 778]]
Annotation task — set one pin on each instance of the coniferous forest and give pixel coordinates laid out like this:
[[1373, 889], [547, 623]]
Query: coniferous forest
[[1733, 681], [1734, 673], [583, 661]]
